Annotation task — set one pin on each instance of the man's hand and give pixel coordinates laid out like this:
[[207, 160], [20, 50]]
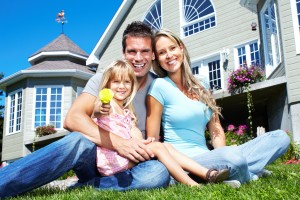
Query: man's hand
[[133, 149]]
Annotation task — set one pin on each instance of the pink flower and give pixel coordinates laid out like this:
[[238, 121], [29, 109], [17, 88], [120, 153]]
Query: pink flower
[[230, 127], [239, 132], [243, 127]]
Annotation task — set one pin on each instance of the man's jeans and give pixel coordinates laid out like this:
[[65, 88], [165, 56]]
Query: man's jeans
[[75, 152], [248, 159]]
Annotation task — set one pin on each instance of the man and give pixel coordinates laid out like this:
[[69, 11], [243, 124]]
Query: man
[[77, 150]]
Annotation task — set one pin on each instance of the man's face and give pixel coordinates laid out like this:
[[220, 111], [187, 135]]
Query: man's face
[[139, 54]]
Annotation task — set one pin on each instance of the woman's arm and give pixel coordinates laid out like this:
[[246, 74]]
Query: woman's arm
[[154, 112], [217, 134]]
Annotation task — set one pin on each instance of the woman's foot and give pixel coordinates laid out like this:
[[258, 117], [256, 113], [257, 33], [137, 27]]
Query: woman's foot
[[217, 176]]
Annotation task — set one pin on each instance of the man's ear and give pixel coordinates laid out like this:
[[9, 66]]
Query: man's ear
[[153, 56]]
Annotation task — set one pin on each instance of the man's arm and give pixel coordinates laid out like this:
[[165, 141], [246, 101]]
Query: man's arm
[[78, 119], [217, 134]]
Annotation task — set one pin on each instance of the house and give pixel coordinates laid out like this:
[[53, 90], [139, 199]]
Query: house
[[221, 36], [41, 95], [280, 37]]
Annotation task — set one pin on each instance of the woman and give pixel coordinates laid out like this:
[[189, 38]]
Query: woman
[[186, 108]]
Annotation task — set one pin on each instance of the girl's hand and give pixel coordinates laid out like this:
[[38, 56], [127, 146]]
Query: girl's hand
[[148, 140], [104, 109], [101, 109]]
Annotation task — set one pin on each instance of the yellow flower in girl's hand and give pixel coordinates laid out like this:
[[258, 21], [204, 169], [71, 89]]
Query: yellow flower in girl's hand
[[106, 95]]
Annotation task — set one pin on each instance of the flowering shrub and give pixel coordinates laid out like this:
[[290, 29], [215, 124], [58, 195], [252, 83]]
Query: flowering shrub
[[243, 77], [292, 155], [236, 135], [45, 130], [240, 80]]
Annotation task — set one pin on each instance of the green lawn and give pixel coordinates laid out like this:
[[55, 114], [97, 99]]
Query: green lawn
[[283, 184]]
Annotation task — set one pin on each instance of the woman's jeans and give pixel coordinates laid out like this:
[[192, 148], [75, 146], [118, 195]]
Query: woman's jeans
[[248, 159], [76, 152]]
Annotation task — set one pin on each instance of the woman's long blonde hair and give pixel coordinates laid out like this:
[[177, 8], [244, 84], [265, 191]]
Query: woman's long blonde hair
[[119, 70], [189, 81]]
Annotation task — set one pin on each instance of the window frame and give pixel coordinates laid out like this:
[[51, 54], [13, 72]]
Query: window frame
[[48, 106], [203, 63], [247, 53], [275, 42], [296, 24], [15, 112], [185, 23], [149, 10]]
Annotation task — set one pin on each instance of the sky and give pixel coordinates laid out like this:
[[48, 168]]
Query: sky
[[28, 25]]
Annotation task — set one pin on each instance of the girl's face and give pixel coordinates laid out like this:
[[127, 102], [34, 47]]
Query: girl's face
[[121, 88], [169, 54]]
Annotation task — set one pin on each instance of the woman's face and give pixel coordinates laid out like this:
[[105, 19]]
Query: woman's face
[[169, 54]]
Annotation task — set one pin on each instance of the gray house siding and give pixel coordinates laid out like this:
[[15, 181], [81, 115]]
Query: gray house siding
[[11, 148], [19, 144], [114, 48]]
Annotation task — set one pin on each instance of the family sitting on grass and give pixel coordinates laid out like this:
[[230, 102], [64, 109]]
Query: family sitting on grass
[[122, 150]]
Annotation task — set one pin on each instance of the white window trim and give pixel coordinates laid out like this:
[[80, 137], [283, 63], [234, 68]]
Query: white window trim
[[270, 68], [295, 25], [184, 24], [8, 112], [200, 62], [48, 106], [248, 53]]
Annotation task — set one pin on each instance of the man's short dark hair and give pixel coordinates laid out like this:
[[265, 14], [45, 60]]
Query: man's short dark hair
[[136, 29]]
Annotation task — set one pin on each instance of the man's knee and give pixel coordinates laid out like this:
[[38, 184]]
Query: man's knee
[[151, 174]]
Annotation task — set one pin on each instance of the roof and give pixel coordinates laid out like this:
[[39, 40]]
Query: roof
[[59, 65], [61, 43]]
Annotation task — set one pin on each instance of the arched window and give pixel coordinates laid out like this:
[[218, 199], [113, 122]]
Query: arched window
[[153, 16], [198, 15]]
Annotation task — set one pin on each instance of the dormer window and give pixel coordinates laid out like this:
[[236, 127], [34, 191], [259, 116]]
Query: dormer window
[[153, 16], [198, 16]]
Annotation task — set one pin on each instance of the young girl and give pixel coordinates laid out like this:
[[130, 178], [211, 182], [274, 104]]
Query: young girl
[[120, 79]]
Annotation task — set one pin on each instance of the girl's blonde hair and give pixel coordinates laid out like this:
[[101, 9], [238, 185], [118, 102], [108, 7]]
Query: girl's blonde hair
[[119, 70], [189, 81]]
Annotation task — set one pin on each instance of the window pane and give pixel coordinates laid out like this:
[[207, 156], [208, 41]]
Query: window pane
[[200, 13], [153, 17]]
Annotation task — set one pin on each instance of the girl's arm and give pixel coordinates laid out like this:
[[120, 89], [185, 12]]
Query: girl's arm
[[217, 134], [154, 112], [135, 132]]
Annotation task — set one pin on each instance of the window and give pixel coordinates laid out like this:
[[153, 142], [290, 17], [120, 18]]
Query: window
[[270, 33], [48, 106], [295, 5], [153, 16], [15, 111], [248, 54], [209, 72], [198, 16]]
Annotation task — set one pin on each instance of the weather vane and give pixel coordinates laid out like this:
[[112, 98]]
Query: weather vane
[[60, 18]]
